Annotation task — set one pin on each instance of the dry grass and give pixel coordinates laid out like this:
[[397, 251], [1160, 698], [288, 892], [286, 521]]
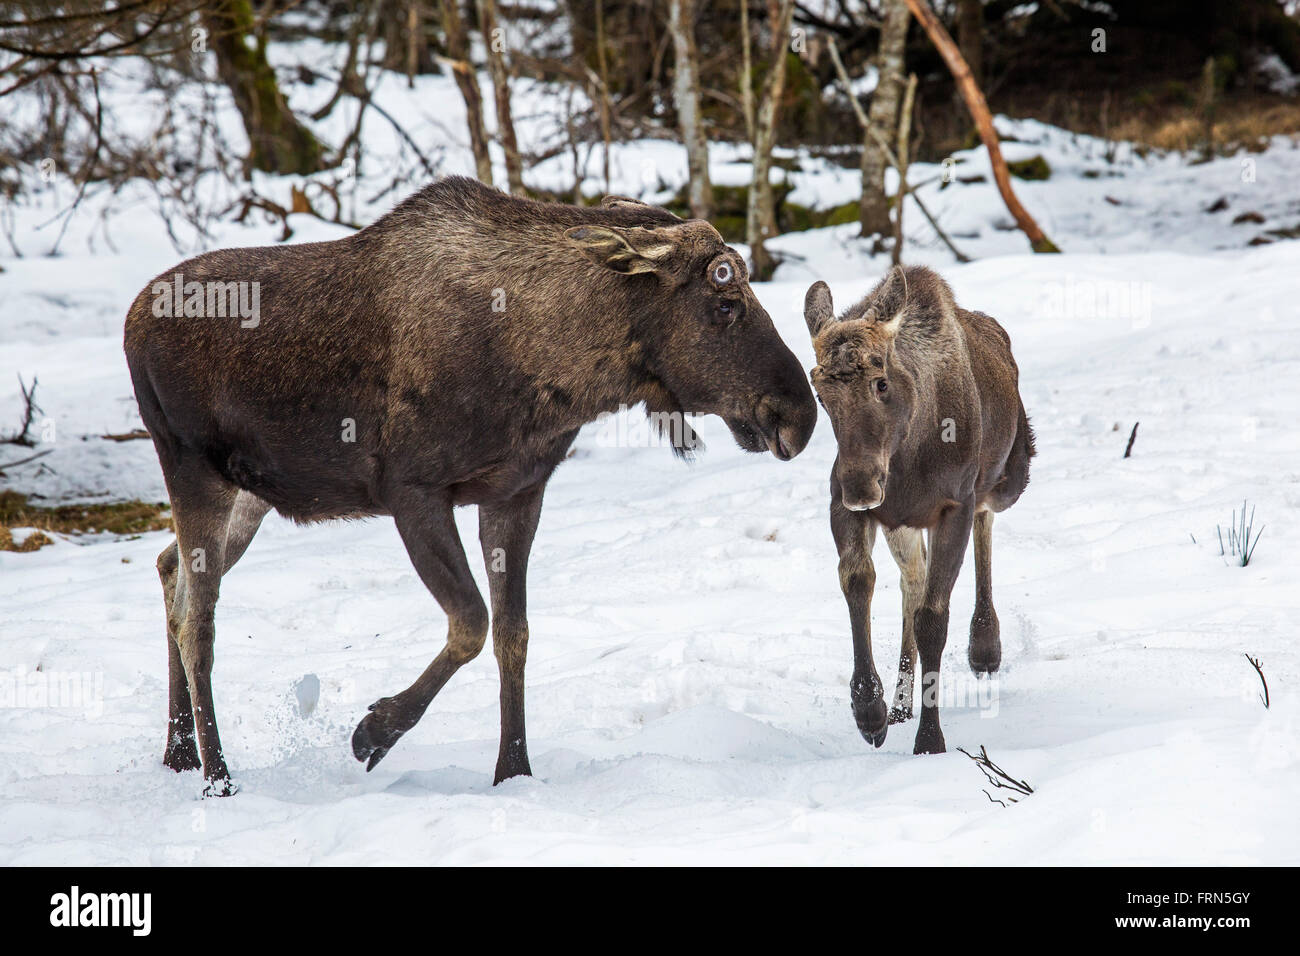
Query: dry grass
[[1169, 116], [121, 517], [1246, 125]]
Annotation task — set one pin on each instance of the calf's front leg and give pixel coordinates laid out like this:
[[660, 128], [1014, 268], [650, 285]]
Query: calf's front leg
[[855, 534], [506, 532], [947, 550]]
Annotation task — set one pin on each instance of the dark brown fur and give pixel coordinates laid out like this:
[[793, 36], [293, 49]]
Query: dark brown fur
[[468, 335], [933, 437]]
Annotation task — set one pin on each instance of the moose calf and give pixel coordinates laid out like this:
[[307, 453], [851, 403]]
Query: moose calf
[[445, 355], [932, 436]]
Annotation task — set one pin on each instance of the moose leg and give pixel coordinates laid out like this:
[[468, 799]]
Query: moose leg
[[428, 529], [242, 524], [908, 548], [855, 534], [182, 751], [985, 653], [947, 549], [202, 505], [506, 533]]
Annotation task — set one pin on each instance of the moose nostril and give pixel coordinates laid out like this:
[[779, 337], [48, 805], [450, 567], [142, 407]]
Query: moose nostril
[[789, 429]]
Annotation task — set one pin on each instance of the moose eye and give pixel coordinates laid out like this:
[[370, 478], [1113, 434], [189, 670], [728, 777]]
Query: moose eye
[[881, 386], [729, 311], [723, 273]]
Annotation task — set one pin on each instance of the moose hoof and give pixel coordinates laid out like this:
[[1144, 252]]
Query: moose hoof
[[376, 733], [900, 715], [986, 659], [220, 787], [985, 649], [929, 741], [871, 716], [182, 755]]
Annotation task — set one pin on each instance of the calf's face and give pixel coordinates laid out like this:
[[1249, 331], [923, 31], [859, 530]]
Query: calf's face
[[708, 341], [866, 392]]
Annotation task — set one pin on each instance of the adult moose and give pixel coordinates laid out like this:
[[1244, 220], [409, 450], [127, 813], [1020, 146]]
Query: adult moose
[[932, 435], [445, 355]]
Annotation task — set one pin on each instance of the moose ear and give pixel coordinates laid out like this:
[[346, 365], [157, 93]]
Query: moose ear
[[818, 308], [891, 301], [629, 251], [614, 202]]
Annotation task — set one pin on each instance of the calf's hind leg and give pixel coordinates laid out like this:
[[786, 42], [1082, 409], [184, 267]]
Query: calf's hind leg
[[428, 529], [985, 652], [907, 545]]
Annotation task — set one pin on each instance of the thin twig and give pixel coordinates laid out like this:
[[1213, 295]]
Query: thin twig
[[30, 408], [23, 461], [127, 436], [1000, 779], [1132, 436], [1254, 662]]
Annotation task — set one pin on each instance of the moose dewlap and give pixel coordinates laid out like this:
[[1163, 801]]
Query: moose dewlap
[[445, 355], [932, 437]]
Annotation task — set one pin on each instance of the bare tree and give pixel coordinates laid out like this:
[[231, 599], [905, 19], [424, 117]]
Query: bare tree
[[970, 35], [760, 219], [686, 95], [873, 208], [494, 40], [870, 133], [747, 69], [457, 61], [904, 158], [602, 62], [979, 111], [278, 142], [52, 34]]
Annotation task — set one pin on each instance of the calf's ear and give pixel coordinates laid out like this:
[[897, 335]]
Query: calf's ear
[[818, 309], [629, 251]]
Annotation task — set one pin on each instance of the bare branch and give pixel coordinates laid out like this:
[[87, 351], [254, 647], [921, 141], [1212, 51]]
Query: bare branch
[[1254, 662]]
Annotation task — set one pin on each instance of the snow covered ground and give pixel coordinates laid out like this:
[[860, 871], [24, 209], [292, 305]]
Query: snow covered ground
[[689, 662]]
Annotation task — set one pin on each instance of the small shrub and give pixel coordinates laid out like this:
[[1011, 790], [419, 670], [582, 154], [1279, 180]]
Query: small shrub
[[1033, 168], [1242, 537]]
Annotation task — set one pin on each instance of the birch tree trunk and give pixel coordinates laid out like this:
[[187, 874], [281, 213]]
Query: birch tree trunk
[[494, 40], [746, 71], [873, 208], [458, 53], [603, 64], [760, 219], [686, 95]]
